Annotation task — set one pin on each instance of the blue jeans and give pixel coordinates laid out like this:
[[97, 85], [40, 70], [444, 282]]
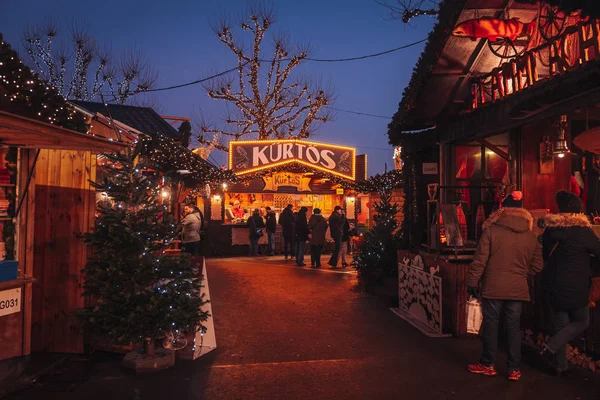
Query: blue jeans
[[568, 325], [271, 245], [300, 250], [253, 246], [510, 311], [290, 244]]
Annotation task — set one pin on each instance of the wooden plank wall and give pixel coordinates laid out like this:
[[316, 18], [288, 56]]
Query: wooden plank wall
[[64, 209], [538, 189]]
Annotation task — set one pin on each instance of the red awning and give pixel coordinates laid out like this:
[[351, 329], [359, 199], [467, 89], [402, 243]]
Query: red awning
[[19, 131]]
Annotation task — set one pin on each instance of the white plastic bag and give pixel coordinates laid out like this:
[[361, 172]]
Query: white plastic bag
[[474, 316]]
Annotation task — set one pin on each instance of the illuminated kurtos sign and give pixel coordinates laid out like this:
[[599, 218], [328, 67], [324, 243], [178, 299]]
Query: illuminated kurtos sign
[[255, 155]]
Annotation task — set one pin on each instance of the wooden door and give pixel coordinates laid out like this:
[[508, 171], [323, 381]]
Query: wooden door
[[64, 209]]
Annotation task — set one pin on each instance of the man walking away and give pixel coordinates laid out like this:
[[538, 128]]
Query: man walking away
[[302, 231], [192, 226], [336, 224], [318, 229], [271, 224], [255, 224], [507, 252], [568, 242], [286, 220]]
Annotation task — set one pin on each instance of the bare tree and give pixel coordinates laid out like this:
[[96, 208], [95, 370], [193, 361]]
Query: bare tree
[[269, 101], [405, 10], [71, 66]]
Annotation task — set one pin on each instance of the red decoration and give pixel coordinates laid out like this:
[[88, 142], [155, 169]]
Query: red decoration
[[368, 204], [493, 29]]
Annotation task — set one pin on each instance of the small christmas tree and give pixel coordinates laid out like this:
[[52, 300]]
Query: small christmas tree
[[137, 293], [377, 257]]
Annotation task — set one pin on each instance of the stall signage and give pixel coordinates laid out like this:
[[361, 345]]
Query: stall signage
[[10, 301], [339, 191], [252, 156], [286, 179], [430, 168], [577, 45]]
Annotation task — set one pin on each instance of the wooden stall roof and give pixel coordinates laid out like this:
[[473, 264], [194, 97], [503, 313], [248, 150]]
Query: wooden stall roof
[[25, 132], [440, 82]]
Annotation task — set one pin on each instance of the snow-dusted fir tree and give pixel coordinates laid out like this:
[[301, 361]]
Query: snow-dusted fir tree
[[80, 70], [269, 101]]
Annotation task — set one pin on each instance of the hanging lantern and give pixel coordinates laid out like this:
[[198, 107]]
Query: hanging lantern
[[561, 147]]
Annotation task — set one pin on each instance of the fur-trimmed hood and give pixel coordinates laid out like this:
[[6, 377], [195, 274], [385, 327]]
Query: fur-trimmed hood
[[515, 219], [566, 220]]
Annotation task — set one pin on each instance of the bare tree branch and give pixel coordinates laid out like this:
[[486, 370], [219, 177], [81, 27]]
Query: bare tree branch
[[84, 72], [267, 101], [405, 10]]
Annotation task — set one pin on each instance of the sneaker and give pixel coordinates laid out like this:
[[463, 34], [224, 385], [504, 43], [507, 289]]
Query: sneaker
[[514, 375], [481, 369]]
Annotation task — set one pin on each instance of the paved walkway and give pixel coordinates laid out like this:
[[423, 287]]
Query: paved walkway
[[294, 333]]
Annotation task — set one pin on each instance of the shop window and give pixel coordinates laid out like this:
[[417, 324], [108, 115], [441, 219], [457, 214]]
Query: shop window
[[479, 175]]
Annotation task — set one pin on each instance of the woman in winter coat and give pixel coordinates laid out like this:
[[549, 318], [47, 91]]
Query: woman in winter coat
[[286, 220], [507, 252], [318, 228], [568, 242], [302, 232], [255, 223]]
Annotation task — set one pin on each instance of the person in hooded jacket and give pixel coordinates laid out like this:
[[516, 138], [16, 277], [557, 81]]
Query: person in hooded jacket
[[507, 252], [192, 226], [302, 232], [318, 229], [286, 220], [568, 241]]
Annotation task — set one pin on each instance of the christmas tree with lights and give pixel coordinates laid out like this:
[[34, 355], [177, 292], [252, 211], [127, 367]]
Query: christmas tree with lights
[[137, 293], [377, 258]]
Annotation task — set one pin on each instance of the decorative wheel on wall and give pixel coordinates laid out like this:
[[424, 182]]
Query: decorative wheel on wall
[[551, 21], [506, 48]]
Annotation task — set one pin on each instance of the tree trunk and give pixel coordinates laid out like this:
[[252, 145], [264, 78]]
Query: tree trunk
[[148, 347]]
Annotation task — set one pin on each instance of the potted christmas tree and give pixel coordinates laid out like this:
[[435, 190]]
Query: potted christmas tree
[[136, 293]]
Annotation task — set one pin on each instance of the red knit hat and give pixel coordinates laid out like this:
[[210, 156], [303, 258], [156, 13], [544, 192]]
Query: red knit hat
[[514, 200]]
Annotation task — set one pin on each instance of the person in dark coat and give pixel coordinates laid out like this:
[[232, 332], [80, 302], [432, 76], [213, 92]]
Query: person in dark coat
[[286, 220], [568, 242], [345, 247], [302, 232], [318, 229], [336, 224], [271, 224], [507, 252], [255, 224]]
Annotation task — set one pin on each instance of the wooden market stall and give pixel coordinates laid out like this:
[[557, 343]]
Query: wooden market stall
[[277, 173], [53, 204], [503, 115]]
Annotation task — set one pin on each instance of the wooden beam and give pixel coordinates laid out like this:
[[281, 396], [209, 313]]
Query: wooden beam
[[495, 149]]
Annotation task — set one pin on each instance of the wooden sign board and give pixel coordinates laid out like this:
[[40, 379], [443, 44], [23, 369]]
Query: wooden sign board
[[10, 301], [251, 156]]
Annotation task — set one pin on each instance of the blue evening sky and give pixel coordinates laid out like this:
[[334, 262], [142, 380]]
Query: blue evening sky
[[176, 38]]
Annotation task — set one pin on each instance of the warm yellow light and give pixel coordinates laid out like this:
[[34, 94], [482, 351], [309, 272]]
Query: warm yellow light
[[293, 160], [490, 153], [217, 197], [224, 186], [165, 193], [351, 199], [561, 155]]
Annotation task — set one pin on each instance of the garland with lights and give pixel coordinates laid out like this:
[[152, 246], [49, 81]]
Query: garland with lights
[[378, 183], [168, 156], [139, 294], [23, 93]]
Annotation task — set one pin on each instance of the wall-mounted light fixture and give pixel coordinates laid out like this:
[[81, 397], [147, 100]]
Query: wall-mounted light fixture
[[561, 147]]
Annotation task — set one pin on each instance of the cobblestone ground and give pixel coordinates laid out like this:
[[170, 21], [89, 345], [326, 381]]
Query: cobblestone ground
[[294, 333]]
